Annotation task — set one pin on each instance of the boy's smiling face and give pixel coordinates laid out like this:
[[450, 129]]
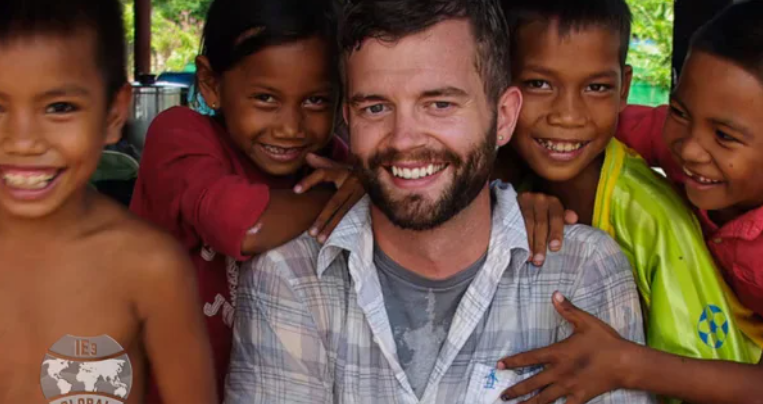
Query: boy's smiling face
[[574, 87], [715, 132], [54, 120]]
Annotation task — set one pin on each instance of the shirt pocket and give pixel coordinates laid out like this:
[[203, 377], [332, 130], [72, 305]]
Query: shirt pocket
[[486, 384]]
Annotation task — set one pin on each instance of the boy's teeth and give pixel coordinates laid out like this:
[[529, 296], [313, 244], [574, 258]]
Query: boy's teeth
[[23, 181], [699, 178], [416, 173], [561, 147]]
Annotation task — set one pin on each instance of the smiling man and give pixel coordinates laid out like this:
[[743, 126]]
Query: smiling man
[[425, 284]]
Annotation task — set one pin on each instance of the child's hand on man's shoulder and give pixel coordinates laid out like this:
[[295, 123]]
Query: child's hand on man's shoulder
[[349, 192]]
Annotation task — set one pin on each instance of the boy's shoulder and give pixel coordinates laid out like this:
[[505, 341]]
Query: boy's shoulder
[[133, 245], [640, 207], [629, 188]]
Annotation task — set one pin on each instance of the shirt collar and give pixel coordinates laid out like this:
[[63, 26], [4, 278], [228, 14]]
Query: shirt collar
[[748, 226], [354, 233]]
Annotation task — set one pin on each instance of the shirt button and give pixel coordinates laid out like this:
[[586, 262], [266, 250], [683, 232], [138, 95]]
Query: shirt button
[[717, 240]]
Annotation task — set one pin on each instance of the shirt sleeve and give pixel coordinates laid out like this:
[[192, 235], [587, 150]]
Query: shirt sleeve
[[278, 355], [684, 294], [185, 170], [640, 128], [606, 290]]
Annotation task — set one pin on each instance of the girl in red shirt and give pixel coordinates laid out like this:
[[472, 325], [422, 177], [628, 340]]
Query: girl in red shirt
[[240, 182]]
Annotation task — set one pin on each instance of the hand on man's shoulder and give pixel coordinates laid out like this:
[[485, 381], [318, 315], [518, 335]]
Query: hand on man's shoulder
[[596, 249], [595, 241]]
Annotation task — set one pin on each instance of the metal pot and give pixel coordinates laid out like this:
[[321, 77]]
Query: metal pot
[[150, 98]]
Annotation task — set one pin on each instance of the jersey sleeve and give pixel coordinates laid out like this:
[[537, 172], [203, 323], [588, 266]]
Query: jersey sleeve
[[186, 171], [687, 309]]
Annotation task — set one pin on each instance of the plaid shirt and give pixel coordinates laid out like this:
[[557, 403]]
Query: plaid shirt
[[311, 325]]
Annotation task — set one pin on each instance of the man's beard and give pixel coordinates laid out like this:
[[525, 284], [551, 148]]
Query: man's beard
[[416, 212]]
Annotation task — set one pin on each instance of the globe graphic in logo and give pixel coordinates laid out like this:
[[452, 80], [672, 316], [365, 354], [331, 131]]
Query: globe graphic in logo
[[713, 327], [86, 370]]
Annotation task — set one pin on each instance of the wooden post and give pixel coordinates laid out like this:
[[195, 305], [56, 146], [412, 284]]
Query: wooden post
[[142, 37]]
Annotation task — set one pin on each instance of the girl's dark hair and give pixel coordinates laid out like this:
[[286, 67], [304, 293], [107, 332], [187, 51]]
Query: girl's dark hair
[[736, 35], [25, 18], [235, 29]]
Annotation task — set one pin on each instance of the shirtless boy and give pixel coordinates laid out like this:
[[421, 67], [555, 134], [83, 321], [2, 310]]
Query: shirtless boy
[[89, 296]]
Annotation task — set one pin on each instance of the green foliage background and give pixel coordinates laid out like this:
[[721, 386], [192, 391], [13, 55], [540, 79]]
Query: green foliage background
[[177, 26], [652, 22]]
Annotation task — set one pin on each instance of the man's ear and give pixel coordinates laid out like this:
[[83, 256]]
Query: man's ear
[[626, 87], [209, 82], [508, 109], [118, 113]]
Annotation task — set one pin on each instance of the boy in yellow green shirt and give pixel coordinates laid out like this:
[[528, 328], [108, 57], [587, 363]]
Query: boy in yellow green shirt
[[569, 62]]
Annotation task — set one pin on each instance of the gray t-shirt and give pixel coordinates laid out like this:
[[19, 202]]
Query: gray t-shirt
[[420, 311]]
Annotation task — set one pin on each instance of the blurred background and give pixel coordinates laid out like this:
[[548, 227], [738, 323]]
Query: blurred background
[[176, 27]]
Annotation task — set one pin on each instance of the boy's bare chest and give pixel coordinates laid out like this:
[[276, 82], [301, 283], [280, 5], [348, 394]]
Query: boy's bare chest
[[58, 312]]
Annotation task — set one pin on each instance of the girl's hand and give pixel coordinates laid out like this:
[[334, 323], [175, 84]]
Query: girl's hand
[[350, 190], [326, 170], [344, 199], [545, 218], [584, 366]]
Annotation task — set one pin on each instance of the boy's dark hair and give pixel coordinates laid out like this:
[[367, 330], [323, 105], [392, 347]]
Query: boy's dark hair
[[235, 29], [27, 18], [572, 15], [390, 20], [736, 35]]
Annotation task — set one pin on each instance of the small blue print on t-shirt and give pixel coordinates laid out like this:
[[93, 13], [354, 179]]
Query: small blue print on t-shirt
[[490, 380]]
